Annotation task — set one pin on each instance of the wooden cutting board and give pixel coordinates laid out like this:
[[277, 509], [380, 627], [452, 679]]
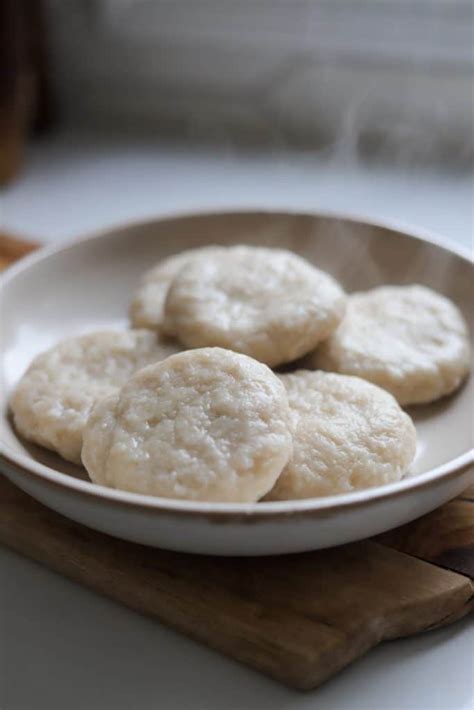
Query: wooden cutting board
[[298, 618]]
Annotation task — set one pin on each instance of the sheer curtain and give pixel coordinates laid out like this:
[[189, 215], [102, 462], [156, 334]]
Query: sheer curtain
[[377, 74]]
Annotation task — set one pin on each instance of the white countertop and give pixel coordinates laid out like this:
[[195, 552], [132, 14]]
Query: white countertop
[[65, 648]]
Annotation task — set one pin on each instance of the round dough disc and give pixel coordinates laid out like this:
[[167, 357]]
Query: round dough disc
[[53, 399], [207, 424], [267, 303], [147, 306], [409, 340], [348, 435]]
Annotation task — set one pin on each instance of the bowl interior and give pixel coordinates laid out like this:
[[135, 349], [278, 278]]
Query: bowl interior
[[87, 285]]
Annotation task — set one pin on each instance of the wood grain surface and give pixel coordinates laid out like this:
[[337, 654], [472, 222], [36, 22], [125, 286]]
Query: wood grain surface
[[298, 618]]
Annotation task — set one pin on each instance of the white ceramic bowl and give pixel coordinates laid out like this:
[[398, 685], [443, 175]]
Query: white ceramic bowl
[[84, 285]]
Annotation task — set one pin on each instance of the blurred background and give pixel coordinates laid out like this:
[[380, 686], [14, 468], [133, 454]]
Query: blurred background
[[120, 109]]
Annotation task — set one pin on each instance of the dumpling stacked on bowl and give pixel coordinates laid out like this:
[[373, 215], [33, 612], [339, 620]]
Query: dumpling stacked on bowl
[[185, 405]]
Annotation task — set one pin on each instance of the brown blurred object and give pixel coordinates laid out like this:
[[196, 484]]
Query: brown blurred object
[[25, 98], [13, 248]]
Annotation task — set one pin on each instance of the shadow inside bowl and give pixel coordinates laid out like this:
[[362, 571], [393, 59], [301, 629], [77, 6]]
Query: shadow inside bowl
[[48, 458], [424, 412]]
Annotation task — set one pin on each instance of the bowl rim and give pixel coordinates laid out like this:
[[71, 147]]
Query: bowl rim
[[24, 464]]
